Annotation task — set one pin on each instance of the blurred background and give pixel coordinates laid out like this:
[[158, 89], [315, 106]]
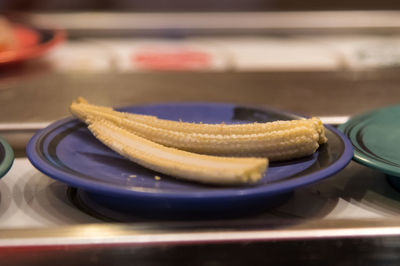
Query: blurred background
[[208, 5]]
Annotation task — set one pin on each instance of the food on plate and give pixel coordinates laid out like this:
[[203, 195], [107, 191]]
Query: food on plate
[[174, 162], [7, 39], [207, 153], [277, 141]]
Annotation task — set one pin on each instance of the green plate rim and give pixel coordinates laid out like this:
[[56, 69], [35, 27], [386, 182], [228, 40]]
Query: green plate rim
[[8, 158], [359, 157]]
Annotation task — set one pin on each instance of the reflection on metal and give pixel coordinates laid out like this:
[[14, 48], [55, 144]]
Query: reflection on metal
[[22, 126], [334, 120], [177, 233]]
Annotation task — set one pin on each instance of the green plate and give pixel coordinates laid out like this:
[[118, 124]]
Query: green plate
[[6, 157], [376, 139]]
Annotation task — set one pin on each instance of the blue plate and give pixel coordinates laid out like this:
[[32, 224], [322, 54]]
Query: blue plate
[[66, 151], [6, 157]]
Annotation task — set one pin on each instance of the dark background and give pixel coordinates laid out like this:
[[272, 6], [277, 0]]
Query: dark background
[[196, 5]]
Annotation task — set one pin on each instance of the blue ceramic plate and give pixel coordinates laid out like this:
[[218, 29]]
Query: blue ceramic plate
[[66, 151], [6, 157]]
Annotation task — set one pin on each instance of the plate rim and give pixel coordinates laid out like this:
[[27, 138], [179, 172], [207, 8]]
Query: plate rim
[[271, 189], [58, 36], [366, 160], [8, 161]]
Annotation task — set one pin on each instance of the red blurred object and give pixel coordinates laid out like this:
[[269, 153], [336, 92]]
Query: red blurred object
[[31, 43], [180, 59]]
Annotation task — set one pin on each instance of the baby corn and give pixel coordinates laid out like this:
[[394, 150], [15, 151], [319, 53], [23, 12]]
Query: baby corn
[[280, 140], [81, 108], [174, 162]]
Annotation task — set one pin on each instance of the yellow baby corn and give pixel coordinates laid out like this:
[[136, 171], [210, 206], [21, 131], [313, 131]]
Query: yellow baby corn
[[280, 140], [174, 162], [81, 108]]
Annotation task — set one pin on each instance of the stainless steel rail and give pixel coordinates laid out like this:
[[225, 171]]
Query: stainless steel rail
[[186, 233]]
